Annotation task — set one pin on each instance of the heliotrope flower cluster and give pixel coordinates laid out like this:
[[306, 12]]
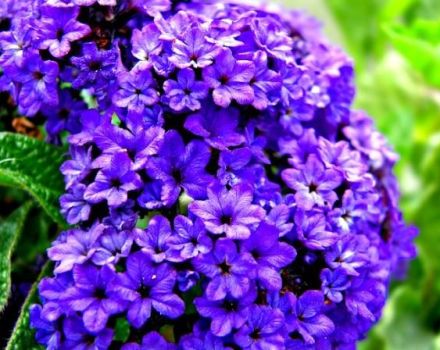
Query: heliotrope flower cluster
[[224, 194]]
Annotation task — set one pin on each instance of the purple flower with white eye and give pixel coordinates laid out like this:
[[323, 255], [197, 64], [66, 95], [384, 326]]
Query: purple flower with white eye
[[349, 253], [226, 314], [113, 183], [112, 246], [230, 272], [334, 283], [76, 247], [304, 315], [263, 330], [80, 338], [314, 185], [146, 44], [269, 254], [189, 239], [264, 82], [58, 28], [217, 126], [156, 240], [151, 341], [311, 230], [230, 79], [229, 211], [73, 205], [15, 43], [39, 84], [186, 92], [193, 50], [146, 287], [95, 67], [90, 295], [179, 166], [349, 213], [136, 90], [234, 166]]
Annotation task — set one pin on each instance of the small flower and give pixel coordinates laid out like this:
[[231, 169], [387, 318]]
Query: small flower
[[151, 341], [145, 45], [334, 283], [313, 184], [146, 287], [112, 184], [311, 230], [186, 92], [230, 272], [230, 78], [73, 205], [58, 28], [229, 212], [112, 246]]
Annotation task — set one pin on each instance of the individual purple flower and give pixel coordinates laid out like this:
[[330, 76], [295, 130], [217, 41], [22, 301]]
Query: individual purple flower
[[39, 84], [146, 287], [73, 205], [47, 332], [186, 92], [280, 217], [112, 246], [90, 295], [95, 67], [58, 28], [228, 211], [349, 213], [52, 290], [156, 240], [304, 315], [15, 43], [193, 50], [263, 330], [179, 166], [187, 279], [264, 82], [78, 337], [334, 283], [151, 341], [230, 79], [135, 90], [217, 126], [113, 183], [269, 254], [152, 7], [189, 239], [311, 230], [76, 247], [78, 167], [226, 314], [314, 185], [202, 341], [230, 272], [234, 166], [145, 45], [154, 196]]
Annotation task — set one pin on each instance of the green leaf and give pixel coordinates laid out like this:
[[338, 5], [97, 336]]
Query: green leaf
[[10, 230], [33, 166], [122, 330], [23, 335], [420, 45]]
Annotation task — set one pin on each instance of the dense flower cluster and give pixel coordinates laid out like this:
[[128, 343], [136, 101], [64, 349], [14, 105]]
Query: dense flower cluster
[[225, 195]]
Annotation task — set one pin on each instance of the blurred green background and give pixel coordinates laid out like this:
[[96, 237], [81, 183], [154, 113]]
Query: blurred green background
[[396, 48]]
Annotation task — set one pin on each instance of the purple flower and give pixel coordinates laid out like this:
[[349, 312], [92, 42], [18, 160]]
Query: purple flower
[[112, 246], [179, 166], [135, 90], [229, 211], [230, 78], [193, 50], [58, 27], [95, 67], [334, 283], [15, 43], [91, 2], [73, 205], [263, 330], [234, 166], [313, 184], [311, 230], [230, 272], [76, 247], [217, 126], [156, 240], [90, 295], [52, 290], [226, 314], [145, 45], [304, 315], [39, 84], [270, 255], [151, 341], [47, 332], [113, 183], [152, 7], [189, 239], [186, 92], [146, 287]]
